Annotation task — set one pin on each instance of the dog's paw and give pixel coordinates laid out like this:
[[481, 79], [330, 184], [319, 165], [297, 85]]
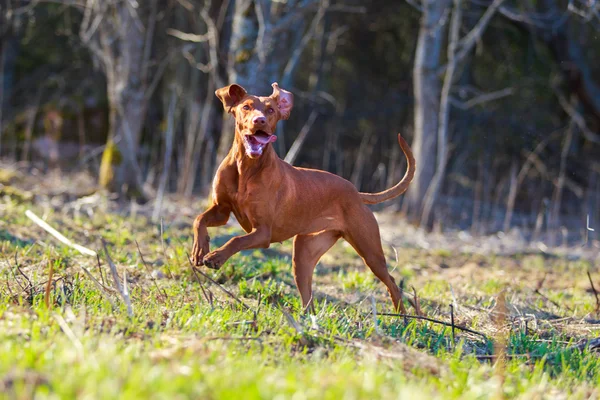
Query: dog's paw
[[214, 260], [198, 254]]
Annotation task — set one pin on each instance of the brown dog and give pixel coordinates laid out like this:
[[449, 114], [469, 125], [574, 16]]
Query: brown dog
[[274, 201]]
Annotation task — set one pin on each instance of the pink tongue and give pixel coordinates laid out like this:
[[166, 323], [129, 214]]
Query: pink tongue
[[264, 139]]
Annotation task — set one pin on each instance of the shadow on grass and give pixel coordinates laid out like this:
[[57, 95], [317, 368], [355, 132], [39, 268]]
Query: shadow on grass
[[6, 236]]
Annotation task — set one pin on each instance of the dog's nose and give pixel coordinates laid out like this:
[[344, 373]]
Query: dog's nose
[[259, 120]]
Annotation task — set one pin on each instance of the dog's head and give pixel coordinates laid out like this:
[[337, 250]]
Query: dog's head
[[256, 116]]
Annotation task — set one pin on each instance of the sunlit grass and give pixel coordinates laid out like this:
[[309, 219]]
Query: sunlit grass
[[187, 338]]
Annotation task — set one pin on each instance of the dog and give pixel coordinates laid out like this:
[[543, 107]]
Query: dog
[[274, 201]]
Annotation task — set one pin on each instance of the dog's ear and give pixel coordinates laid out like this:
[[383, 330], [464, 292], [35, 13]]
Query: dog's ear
[[284, 99], [230, 95]]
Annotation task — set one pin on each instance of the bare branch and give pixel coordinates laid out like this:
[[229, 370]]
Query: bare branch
[[415, 5], [188, 37], [291, 155], [295, 58], [467, 43], [578, 119], [287, 19], [481, 99]]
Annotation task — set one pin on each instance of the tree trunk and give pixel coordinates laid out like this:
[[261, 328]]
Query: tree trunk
[[9, 46], [124, 61], [245, 66], [427, 100], [255, 59]]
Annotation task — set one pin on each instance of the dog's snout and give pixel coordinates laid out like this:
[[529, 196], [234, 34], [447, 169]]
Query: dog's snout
[[259, 120]]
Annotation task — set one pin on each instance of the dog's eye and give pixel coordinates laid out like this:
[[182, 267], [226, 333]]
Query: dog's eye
[[246, 107], [270, 110]]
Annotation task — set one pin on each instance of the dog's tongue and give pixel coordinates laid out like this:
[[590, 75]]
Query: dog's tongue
[[264, 138]]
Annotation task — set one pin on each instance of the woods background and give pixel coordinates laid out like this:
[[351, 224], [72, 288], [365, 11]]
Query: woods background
[[499, 99]]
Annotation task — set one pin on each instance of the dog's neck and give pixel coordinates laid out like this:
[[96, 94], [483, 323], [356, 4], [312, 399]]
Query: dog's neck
[[247, 165]]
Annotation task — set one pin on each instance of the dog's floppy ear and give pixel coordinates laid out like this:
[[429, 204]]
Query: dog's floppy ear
[[230, 95], [284, 99]]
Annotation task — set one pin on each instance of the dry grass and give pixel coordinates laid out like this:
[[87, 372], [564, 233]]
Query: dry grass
[[67, 331]]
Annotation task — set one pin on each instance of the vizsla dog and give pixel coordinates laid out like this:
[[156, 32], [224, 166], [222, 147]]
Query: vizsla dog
[[274, 201]]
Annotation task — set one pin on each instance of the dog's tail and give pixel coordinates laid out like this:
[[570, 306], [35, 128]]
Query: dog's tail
[[400, 187]]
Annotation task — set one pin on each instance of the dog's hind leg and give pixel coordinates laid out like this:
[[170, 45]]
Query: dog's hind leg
[[308, 249], [363, 234]]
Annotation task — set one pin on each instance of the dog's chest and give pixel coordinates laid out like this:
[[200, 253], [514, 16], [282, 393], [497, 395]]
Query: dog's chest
[[244, 198]]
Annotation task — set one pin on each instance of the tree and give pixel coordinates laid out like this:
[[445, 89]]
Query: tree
[[426, 87], [267, 40], [432, 106], [120, 35]]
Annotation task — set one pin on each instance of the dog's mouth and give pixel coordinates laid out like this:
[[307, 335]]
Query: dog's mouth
[[256, 142]]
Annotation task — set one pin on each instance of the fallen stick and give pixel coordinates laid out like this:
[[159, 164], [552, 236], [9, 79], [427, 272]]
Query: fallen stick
[[217, 284], [462, 328], [590, 344], [100, 287], [44, 225], [122, 289]]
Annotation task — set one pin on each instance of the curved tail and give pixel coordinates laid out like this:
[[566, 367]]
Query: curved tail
[[400, 187]]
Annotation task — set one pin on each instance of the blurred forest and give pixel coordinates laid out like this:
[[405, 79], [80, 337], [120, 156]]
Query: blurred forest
[[499, 99]]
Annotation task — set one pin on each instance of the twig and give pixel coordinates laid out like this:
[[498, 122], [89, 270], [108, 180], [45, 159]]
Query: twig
[[595, 291], [293, 323], [162, 243], [41, 223], [49, 285], [539, 293], [467, 43], [290, 157], [31, 285], [258, 337], [150, 271], [415, 5], [13, 272], [257, 307], [417, 302], [209, 300], [100, 269], [484, 98], [452, 322], [374, 308], [577, 118], [222, 288], [122, 290], [588, 229], [227, 292], [462, 328], [99, 286], [188, 37], [402, 309]]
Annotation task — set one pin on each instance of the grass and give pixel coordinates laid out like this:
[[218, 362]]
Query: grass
[[188, 339]]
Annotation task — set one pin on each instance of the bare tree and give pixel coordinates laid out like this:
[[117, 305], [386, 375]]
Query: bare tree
[[267, 41], [426, 88], [458, 49], [120, 34]]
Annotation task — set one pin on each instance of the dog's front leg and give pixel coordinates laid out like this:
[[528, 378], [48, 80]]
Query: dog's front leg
[[260, 237], [216, 215]]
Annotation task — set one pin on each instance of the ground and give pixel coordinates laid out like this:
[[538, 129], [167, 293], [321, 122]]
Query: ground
[[240, 332]]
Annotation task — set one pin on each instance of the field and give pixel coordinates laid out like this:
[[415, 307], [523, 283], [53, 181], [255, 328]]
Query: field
[[66, 331]]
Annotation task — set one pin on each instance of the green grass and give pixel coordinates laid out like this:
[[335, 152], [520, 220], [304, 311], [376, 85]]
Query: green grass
[[179, 344]]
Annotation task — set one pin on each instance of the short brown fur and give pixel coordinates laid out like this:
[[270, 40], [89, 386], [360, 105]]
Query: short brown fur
[[274, 201]]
